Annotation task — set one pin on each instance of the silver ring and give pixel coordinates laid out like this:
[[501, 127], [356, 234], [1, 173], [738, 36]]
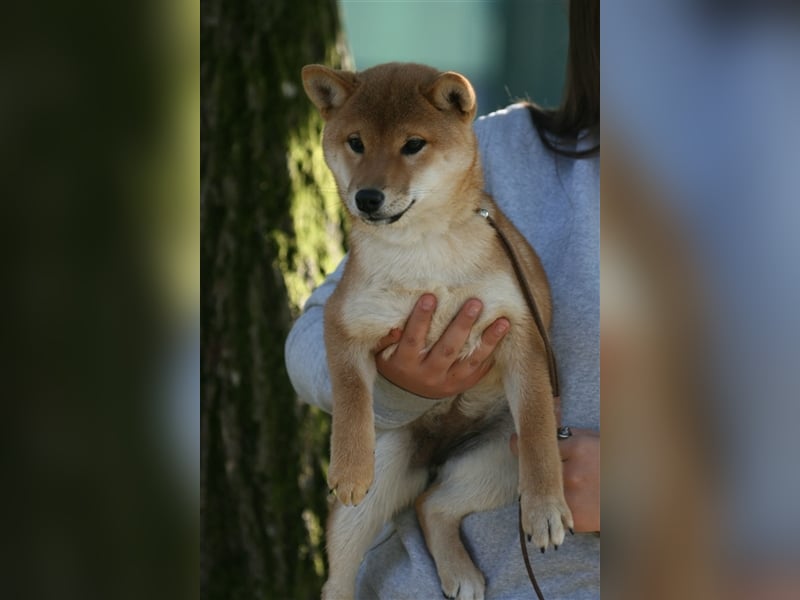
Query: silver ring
[[563, 432]]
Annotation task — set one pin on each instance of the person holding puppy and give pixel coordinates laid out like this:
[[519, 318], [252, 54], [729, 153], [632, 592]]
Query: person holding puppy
[[542, 168]]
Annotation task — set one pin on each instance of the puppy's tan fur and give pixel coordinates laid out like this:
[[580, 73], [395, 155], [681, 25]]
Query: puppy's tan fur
[[426, 237]]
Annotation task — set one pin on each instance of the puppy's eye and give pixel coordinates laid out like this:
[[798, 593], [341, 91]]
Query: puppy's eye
[[413, 146], [356, 145]]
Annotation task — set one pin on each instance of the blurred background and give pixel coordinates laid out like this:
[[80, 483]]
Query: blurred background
[[509, 49], [99, 212]]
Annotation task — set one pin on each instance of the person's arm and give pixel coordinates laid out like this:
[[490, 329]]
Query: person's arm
[[306, 361]]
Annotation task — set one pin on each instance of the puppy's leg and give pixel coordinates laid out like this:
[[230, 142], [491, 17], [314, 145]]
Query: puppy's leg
[[351, 529], [352, 463], [483, 478], [544, 509]]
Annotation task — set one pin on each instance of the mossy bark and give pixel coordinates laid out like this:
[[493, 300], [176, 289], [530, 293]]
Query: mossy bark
[[270, 230]]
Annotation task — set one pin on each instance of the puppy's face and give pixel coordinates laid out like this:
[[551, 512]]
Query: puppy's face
[[398, 138]]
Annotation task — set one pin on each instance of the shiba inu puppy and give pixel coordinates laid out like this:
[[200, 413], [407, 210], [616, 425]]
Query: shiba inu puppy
[[399, 141]]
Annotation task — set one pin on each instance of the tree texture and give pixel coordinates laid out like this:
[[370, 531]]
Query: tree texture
[[271, 228]]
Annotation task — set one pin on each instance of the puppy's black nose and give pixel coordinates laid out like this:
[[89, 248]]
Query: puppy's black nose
[[369, 200]]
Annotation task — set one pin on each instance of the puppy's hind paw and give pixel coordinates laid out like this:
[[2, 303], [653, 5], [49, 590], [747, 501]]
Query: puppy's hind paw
[[468, 584]]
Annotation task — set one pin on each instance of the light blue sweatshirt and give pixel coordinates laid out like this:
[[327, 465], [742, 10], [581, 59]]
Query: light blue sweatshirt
[[555, 202]]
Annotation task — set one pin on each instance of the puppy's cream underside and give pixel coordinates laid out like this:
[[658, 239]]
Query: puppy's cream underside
[[399, 141]]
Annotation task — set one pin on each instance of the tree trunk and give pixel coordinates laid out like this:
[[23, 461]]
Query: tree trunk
[[270, 229]]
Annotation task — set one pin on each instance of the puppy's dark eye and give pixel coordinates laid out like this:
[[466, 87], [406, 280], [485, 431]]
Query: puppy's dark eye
[[356, 145], [413, 146]]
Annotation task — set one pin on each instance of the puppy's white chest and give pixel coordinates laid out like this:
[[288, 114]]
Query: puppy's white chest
[[382, 300]]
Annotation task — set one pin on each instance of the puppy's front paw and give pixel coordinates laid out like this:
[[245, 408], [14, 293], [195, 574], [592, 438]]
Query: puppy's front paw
[[544, 519], [350, 475]]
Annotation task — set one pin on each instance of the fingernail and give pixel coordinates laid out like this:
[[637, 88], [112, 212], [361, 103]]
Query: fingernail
[[542, 549], [426, 303], [501, 327], [473, 308], [555, 547], [571, 531]]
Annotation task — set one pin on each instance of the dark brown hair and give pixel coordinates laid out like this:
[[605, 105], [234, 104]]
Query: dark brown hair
[[580, 108]]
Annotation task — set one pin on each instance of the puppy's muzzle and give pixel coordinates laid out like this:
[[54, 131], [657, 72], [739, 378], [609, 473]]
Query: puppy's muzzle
[[369, 201]]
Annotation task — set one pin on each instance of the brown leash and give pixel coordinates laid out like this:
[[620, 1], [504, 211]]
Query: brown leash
[[526, 291], [551, 363], [526, 558]]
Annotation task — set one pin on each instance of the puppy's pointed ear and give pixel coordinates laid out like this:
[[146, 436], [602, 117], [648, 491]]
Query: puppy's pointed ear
[[452, 91], [328, 88]]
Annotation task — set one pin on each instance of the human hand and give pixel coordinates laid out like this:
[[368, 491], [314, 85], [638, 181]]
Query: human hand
[[439, 372], [580, 459]]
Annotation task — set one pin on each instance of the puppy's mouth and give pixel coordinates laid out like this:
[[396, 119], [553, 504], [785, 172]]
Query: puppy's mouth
[[375, 220]]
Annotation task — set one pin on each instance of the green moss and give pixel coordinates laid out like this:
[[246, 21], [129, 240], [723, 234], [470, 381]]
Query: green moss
[[317, 218]]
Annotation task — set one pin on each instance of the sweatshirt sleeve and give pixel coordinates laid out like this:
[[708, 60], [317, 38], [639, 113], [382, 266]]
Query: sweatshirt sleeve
[[306, 364], [306, 361]]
